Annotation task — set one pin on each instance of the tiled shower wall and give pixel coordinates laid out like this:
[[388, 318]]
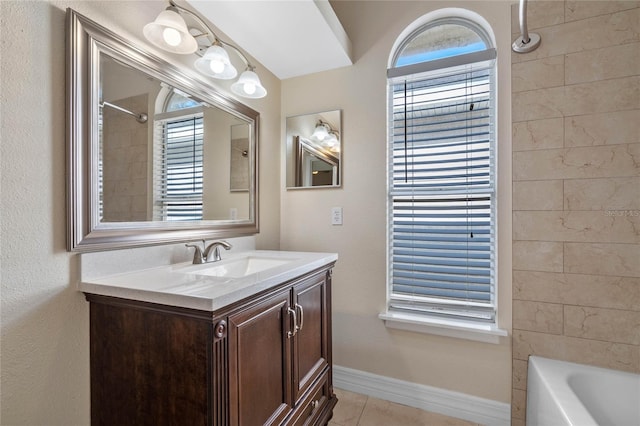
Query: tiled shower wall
[[125, 165], [576, 188]]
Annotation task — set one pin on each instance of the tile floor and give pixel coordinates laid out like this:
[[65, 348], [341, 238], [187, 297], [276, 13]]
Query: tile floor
[[354, 409]]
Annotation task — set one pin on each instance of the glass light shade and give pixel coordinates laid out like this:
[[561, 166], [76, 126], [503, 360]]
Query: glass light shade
[[215, 63], [169, 32], [249, 86], [320, 132], [331, 139]]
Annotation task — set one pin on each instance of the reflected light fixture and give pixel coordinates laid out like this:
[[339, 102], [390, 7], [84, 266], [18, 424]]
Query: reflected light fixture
[[321, 131], [332, 139], [170, 32]]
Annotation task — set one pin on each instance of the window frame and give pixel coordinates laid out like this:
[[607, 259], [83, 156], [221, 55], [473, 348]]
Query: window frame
[[428, 322]]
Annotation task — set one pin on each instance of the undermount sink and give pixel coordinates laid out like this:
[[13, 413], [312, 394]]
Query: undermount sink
[[238, 268]]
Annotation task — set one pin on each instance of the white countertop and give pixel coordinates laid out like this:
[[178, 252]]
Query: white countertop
[[181, 285]]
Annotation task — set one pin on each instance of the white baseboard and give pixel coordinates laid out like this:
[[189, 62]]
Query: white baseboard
[[428, 398]]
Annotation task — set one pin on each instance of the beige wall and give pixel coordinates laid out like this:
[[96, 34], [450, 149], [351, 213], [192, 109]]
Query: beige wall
[[361, 340], [576, 189], [44, 367]]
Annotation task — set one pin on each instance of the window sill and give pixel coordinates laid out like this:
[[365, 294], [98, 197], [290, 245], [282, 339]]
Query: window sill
[[479, 332]]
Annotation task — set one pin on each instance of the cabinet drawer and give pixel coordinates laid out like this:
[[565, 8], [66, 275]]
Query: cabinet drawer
[[311, 406]]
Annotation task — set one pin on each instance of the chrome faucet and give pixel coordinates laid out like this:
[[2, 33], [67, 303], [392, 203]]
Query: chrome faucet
[[197, 255], [209, 254], [212, 252]]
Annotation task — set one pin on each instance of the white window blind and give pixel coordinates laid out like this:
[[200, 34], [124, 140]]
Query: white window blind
[[441, 193], [178, 165]]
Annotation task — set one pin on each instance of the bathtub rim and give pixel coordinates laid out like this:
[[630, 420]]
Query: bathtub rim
[[557, 386]]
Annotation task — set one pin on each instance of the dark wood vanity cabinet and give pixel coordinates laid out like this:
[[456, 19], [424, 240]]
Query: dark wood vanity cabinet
[[260, 363], [262, 360]]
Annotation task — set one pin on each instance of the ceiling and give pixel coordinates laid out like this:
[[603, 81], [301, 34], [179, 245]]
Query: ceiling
[[289, 37]]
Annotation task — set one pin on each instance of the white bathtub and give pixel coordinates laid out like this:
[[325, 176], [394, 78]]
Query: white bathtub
[[565, 393]]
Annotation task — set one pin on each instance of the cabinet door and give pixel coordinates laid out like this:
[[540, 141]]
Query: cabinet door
[[310, 343], [148, 367], [260, 363]]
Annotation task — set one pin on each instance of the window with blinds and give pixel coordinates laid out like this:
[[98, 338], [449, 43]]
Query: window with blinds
[[178, 165], [442, 185]]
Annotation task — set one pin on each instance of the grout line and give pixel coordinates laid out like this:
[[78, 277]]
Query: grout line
[[364, 406]]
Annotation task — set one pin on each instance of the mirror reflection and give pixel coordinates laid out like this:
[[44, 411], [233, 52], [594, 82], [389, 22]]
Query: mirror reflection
[[166, 155], [313, 150]]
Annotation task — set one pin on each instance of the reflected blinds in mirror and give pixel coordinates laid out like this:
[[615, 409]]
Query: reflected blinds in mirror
[[441, 194], [178, 166]]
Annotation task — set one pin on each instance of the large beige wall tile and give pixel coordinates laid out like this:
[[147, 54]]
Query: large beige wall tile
[[611, 325], [577, 289], [518, 404], [600, 64], [602, 96], [618, 356], [579, 99], [518, 422], [607, 194], [539, 14], [519, 375], [538, 74], [586, 226], [581, 9], [577, 163], [537, 104], [611, 128], [586, 34], [538, 134], [537, 316], [538, 256], [538, 195], [602, 259], [139, 205], [132, 186]]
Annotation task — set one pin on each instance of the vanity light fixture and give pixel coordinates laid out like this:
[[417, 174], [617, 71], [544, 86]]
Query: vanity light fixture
[[170, 32], [216, 63]]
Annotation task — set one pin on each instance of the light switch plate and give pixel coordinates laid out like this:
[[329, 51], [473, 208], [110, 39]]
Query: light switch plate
[[336, 216]]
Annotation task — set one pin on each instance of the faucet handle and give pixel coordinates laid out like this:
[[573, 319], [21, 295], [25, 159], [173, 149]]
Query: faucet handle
[[198, 256]]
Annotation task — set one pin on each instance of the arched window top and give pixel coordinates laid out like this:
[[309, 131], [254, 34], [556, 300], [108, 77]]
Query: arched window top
[[176, 101], [442, 39], [170, 100]]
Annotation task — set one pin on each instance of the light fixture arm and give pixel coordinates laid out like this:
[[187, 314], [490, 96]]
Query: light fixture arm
[[211, 34], [322, 123], [327, 126]]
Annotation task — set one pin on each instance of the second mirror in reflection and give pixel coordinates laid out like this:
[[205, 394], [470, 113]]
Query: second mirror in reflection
[[313, 150]]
